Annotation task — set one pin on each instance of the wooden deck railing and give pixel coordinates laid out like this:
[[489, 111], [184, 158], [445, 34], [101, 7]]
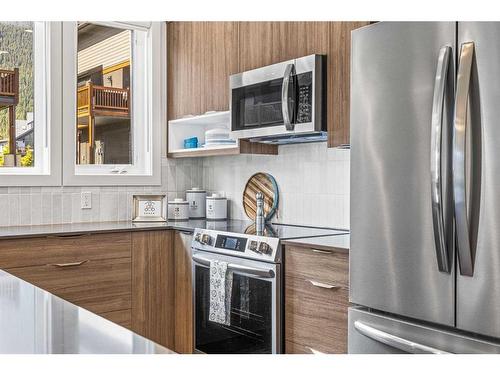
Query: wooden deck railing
[[9, 82], [101, 98]]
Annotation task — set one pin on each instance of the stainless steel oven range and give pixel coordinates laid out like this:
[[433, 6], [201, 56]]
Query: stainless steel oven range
[[254, 325]]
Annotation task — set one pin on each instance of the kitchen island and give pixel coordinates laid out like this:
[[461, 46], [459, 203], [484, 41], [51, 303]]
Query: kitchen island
[[33, 321]]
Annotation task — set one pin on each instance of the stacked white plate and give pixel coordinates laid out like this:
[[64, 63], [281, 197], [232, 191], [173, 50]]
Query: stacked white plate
[[218, 137]]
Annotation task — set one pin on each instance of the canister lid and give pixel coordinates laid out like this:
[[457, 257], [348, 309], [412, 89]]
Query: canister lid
[[178, 201], [216, 196], [195, 190]]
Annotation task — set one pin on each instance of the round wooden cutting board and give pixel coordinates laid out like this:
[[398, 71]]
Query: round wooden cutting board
[[266, 184]]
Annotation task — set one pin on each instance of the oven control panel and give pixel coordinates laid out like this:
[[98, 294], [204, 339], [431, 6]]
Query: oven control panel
[[243, 245]]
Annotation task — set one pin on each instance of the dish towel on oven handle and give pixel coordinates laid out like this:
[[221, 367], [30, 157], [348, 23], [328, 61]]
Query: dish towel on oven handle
[[221, 285]]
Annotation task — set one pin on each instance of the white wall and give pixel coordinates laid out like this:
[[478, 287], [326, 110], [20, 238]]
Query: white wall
[[313, 182]]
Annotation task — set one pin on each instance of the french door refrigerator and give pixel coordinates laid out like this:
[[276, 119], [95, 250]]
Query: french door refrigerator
[[425, 188]]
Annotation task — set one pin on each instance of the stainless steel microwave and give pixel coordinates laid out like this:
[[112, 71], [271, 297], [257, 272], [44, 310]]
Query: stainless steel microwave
[[281, 103]]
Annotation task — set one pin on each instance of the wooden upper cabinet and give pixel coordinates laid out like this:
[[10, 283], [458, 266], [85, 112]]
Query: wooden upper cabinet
[[202, 56], [339, 81], [184, 58], [219, 61], [255, 45]]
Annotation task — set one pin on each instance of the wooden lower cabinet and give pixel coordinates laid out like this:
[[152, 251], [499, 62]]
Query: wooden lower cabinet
[[91, 271], [184, 342], [153, 286], [135, 279], [121, 317], [316, 300]]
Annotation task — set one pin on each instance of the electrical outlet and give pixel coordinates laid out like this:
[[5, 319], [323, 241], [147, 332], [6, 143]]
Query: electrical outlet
[[86, 200]]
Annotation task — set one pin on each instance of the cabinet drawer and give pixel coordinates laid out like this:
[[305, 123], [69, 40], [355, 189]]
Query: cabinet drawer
[[100, 285], [50, 250], [315, 316], [319, 265]]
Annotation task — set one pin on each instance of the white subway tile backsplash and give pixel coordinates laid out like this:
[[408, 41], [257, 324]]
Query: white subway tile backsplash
[[313, 182], [4, 209]]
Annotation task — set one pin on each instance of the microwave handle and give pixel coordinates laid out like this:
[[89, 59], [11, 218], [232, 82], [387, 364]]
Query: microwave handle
[[285, 108]]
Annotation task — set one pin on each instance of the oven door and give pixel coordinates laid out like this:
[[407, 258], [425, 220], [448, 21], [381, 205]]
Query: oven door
[[279, 99], [255, 324]]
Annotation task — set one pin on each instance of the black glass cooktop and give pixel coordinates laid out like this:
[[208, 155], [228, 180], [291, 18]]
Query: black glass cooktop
[[281, 231]]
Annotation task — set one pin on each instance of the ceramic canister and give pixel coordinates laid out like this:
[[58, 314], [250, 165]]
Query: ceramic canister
[[216, 207], [178, 209], [196, 199]]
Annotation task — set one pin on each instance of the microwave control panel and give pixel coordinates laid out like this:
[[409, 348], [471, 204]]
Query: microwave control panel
[[305, 105]]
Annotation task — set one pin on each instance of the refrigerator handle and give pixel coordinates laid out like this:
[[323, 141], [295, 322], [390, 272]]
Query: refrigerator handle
[[465, 255], [395, 341], [438, 220]]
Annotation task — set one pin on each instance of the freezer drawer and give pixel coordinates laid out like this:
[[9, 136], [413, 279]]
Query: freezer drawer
[[373, 333]]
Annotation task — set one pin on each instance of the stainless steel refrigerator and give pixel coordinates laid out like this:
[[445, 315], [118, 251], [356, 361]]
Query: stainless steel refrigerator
[[425, 188]]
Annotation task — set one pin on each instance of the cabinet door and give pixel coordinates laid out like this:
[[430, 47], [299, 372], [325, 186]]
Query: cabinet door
[[219, 61], [183, 294], [255, 45], [339, 77], [153, 286], [316, 300], [184, 68]]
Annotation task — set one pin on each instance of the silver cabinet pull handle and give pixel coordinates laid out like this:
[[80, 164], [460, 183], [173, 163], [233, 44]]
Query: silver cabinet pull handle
[[73, 264], [438, 220], [68, 236], [285, 95], [323, 285], [465, 255], [322, 251], [314, 351], [395, 341]]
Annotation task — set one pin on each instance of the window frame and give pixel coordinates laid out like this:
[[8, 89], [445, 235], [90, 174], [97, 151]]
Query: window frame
[[146, 169], [47, 170]]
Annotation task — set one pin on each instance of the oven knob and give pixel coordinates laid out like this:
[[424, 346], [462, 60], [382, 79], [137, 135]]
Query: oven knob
[[197, 238], [206, 239], [253, 246], [264, 248]]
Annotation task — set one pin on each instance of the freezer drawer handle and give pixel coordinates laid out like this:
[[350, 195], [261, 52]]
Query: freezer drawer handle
[[395, 341], [323, 285], [465, 250], [260, 272], [438, 219]]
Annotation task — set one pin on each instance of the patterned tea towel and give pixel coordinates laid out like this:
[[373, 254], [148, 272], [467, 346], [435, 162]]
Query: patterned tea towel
[[221, 284]]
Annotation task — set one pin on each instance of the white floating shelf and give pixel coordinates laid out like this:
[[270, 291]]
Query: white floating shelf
[[196, 126]]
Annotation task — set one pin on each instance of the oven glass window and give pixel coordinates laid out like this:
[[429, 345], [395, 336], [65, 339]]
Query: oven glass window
[[250, 330]]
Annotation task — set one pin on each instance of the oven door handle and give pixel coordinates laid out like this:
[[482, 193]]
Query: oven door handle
[[260, 272]]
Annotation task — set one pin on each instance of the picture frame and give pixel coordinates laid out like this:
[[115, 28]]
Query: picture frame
[[149, 208]]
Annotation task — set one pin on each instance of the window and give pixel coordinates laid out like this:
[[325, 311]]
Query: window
[[114, 99], [30, 122]]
